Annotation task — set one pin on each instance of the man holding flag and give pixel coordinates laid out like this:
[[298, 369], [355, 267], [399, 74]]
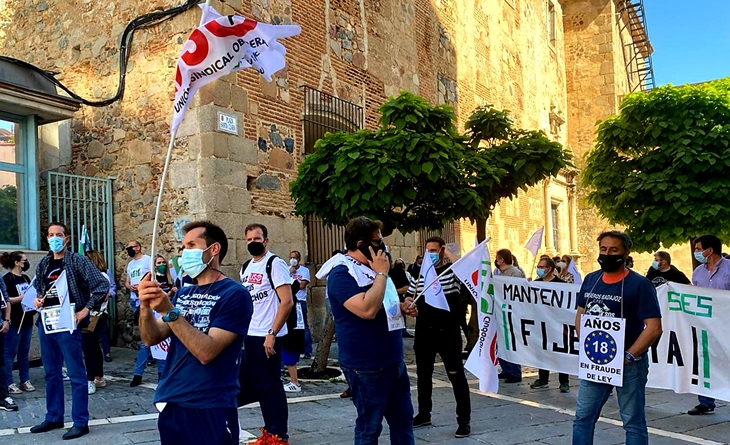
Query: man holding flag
[[438, 325]]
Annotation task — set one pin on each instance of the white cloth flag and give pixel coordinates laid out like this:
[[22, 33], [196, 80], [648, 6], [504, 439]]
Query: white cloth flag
[[29, 297], [535, 241], [577, 279], [433, 294], [224, 44]]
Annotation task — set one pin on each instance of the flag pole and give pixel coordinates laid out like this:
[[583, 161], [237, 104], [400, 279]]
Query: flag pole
[[159, 199], [534, 265]]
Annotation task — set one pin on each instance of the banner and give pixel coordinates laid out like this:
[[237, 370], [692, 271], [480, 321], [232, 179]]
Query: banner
[[433, 294]]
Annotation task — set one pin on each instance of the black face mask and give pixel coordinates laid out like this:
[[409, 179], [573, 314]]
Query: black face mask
[[131, 252], [256, 248], [610, 263], [26, 265], [364, 248]]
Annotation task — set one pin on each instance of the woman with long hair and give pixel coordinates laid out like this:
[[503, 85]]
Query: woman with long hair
[[563, 268], [93, 357], [17, 339]]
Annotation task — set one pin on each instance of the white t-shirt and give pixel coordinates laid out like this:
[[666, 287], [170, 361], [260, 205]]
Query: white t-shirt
[[136, 270], [264, 297], [301, 274]]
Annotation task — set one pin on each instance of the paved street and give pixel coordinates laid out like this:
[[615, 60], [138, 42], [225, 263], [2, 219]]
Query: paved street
[[317, 416]]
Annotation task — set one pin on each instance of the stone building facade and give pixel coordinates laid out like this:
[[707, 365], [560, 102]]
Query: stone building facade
[[555, 64]]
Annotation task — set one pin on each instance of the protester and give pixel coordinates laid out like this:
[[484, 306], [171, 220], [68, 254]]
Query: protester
[[93, 358], [370, 355], [713, 272], [17, 338], [439, 332], [300, 273], [266, 277], [293, 344], [174, 265], [6, 402], [564, 265], [139, 266], [511, 372], [206, 323], [103, 325], [615, 291], [87, 289], [662, 271], [546, 272], [415, 268], [401, 279]]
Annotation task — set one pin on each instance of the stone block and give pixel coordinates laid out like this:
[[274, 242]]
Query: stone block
[[190, 124], [95, 149], [293, 229], [208, 118], [221, 198], [268, 88], [196, 201], [243, 150], [140, 152], [239, 99], [281, 159], [184, 175], [213, 144], [274, 225], [231, 223], [222, 172], [217, 92], [268, 182]]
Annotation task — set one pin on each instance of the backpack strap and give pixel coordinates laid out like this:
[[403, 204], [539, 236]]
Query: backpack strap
[[269, 268]]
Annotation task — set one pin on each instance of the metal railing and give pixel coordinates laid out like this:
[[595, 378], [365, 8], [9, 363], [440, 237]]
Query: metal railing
[[448, 233], [325, 113], [322, 240]]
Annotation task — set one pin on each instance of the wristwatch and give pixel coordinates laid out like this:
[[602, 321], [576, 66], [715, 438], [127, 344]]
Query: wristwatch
[[629, 357], [271, 332], [171, 315]]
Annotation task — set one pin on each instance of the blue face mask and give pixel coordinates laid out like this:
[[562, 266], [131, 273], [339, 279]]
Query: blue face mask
[[541, 273], [56, 244], [700, 258], [434, 257], [192, 263], [655, 265]]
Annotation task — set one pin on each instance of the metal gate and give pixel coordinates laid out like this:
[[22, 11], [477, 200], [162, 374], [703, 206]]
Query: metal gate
[[79, 201]]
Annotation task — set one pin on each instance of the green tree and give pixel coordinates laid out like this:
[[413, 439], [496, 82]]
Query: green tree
[[9, 233], [659, 167]]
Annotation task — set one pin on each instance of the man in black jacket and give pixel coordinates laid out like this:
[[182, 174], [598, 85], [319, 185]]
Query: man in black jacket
[[661, 271]]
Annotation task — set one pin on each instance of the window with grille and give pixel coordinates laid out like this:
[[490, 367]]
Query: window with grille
[[554, 219]]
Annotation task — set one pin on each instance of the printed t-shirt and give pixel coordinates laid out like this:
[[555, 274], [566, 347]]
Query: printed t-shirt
[[264, 296], [301, 274], [55, 267], [225, 305], [639, 301], [136, 270], [363, 344], [16, 286]]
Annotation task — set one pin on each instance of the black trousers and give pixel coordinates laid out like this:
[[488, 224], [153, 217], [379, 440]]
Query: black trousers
[[190, 426], [544, 375], [93, 359], [445, 342], [3, 387]]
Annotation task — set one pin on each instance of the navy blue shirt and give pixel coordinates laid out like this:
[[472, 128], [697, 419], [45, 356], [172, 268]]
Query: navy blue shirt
[[226, 305], [363, 344], [640, 301]]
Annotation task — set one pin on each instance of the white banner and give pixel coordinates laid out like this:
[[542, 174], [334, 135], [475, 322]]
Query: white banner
[[601, 357]]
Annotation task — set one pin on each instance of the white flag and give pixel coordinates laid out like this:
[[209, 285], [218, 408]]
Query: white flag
[[221, 45], [535, 241], [577, 279], [433, 294], [29, 296]]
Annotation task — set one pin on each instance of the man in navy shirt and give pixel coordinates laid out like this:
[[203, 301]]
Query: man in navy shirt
[[370, 354], [207, 323], [615, 291]]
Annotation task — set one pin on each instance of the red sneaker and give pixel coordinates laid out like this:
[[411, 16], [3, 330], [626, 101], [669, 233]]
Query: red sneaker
[[263, 439], [276, 440]]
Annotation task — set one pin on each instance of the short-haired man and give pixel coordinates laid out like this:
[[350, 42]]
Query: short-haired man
[[713, 272], [206, 323], [662, 271], [511, 372], [300, 273], [415, 268], [370, 354], [546, 272], [439, 332], [87, 289], [266, 277], [615, 291]]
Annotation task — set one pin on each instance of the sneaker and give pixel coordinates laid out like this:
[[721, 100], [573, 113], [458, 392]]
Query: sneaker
[[421, 420], [136, 381], [108, 358], [538, 384], [276, 440], [66, 378], [564, 387], [292, 387], [701, 410], [91, 387], [13, 389], [463, 431], [100, 383], [307, 356], [263, 439], [27, 386], [8, 404]]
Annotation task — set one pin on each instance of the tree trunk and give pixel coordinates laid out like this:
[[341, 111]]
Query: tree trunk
[[481, 229], [319, 363]]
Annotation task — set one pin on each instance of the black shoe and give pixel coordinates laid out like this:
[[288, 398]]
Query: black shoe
[[512, 379], [701, 410], [463, 431], [421, 420], [46, 426], [136, 381], [502, 375], [407, 334], [307, 356], [76, 432], [8, 404], [108, 358]]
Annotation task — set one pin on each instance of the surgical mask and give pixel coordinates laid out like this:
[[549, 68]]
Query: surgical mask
[[292, 262], [541, 273], [161, 268], [655, 265], [610, 263], [56, 244], [434, 256], [700, 258], [255, 248], [26, 265], [192, 261], [131, 252], [561, 264]]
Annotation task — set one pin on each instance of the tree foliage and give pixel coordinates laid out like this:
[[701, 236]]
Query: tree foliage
[[659, 166], [9, 231], [417, 171]]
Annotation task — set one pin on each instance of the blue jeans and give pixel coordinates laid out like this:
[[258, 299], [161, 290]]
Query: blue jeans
[[56, 349], [265, 377], [17, 344], [382, 392], [307, 332], [511, 369], [631, 401], [706, 401], [143, 354]]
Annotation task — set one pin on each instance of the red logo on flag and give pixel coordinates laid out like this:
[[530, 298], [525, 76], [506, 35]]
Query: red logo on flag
[[475, 277], [256, 278]]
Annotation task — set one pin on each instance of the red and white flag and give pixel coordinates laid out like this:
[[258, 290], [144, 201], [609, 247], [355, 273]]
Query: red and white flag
[[223, 44]]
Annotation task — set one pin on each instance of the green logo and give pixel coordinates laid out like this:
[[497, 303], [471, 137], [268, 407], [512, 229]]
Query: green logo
[[698, 305]]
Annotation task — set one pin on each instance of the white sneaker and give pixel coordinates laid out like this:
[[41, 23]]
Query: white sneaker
[[66, 378], [292, 387], [92, 388], [13, 389], [27, 386]]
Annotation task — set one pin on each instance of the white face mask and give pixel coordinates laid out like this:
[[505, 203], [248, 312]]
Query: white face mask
[[293, 261], [561, 264]]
